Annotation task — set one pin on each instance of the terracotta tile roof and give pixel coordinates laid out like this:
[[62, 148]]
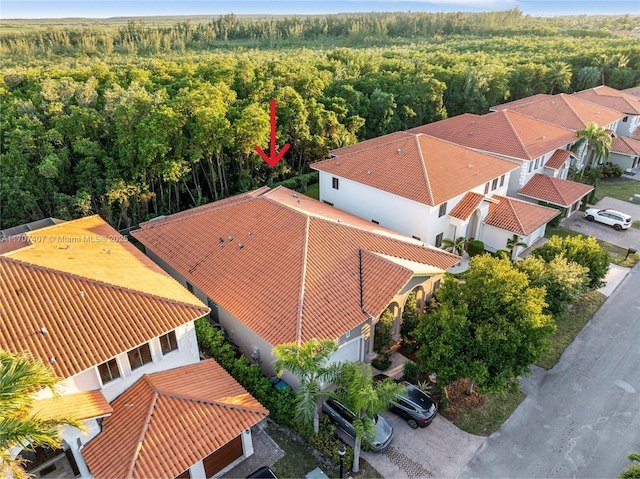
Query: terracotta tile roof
[[90, 248], [82, 405], [303, 257], [632, 91], [421, 168], [371, 143], [168, 421], [569, 112], [554, 190], [504, 132], [467, 206], [12, 243], [636, 134], [518, 216], [522, 101], [87, 321], [629, 146], [558, 159], [611, 98]]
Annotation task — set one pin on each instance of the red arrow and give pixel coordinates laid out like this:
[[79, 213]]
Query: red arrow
[[273, 159]]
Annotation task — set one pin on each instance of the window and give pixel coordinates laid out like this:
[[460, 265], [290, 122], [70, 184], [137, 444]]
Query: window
[[109, 371], [375, 222], [537, 163], [416, 238], [530, 166], [624, 120], [138, 357], [436, 285], [439, 240], [486, 188], [190, 287], [443, 209], [334, 182], [168, 342], [502, 180], [494, 184]]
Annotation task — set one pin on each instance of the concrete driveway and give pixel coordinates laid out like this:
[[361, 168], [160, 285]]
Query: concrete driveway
[[625, 239], [439, 450], [581, 418]]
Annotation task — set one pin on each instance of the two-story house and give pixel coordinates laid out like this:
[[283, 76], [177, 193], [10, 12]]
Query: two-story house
[[616, 100], [278, 267], [540, 149], [77, 296]]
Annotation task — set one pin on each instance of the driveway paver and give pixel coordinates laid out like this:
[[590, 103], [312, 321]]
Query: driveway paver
[[439, 450]]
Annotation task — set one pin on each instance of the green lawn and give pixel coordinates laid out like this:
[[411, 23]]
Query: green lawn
[[636, 224], [617, 253], [300, 458], [569, 325], [490, 417], [619, 189], [313, 191]]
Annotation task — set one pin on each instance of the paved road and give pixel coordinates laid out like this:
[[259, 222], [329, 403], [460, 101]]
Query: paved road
[[581, 418]]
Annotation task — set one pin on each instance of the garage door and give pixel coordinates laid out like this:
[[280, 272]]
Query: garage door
[[224, 456], [347, 352]]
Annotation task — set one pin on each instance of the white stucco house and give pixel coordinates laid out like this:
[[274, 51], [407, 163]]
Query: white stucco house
[[278, 267], [625, 152], [78, 297], [619, 101]]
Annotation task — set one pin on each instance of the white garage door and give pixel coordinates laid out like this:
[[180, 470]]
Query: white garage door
[[350, 351]]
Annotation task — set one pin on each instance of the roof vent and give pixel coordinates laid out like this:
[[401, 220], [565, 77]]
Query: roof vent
[[52, 360], [337, 163], [108, 251], [240, 245], [221, 240], [250, 234], [399, 150], [469, 165], [230, 238], [298, 200], [369, 172], [553, 102], [295, 196], [82, 294], [68, 246], [44, 331]]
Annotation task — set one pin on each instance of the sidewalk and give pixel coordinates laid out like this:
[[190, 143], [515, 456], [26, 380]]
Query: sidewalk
[[614, 277]]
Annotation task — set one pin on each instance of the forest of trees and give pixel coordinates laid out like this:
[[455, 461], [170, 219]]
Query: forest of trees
[[137, 120]]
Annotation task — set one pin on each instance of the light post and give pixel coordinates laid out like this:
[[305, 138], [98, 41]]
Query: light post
[[342, 451]]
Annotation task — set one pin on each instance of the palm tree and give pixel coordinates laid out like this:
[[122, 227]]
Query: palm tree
[[455, 246], [513, 243], [598, 144], [20, 379], [366, 400], [308, 361], [633, 471], [559, 76]]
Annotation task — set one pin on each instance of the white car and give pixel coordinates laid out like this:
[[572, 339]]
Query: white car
[[619, 221]]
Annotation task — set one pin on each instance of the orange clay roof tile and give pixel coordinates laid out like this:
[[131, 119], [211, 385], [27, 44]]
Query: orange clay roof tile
[[79, 406], [554, 190], [611, 98], [92, 303], [629, 146], [421, 168], [522, 101], [518, 216], [168, 421], [467, 206], [569, 112], [303, 257], [635, 91], [504, 132], [558, 159]]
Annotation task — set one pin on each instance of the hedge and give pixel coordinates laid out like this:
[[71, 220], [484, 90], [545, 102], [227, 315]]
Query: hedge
[[475, 247], [299, 183]]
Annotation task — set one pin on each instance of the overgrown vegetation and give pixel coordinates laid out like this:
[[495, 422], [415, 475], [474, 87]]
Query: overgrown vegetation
[[138, 120]]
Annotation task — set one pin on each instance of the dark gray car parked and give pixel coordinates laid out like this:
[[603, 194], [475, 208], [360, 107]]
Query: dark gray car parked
[[416, 407], [343, 417]]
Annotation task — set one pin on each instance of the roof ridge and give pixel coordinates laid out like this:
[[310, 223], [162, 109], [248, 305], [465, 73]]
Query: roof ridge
[[207, 208], [564, 98], [515, 130], [515, 214], [372, 147], [555, 187], [424, 170], [381, 256], [95, 282], [303, 280], [145, 429], [210, 402]]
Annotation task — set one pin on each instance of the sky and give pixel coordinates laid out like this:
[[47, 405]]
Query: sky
[[10, 9]]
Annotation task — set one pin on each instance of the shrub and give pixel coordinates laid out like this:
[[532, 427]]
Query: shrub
[[502, 253], [279, 402], [300, 183], [328, 443], [410, 371], [383, 332], [383, 363], [475, 247], [555, 222], [610, 170], [409, 316]]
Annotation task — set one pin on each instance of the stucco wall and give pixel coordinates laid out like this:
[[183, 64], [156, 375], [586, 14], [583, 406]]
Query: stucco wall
[[623, 161]]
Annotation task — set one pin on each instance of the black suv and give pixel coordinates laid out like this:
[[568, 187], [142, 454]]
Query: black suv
[[416, 407]]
